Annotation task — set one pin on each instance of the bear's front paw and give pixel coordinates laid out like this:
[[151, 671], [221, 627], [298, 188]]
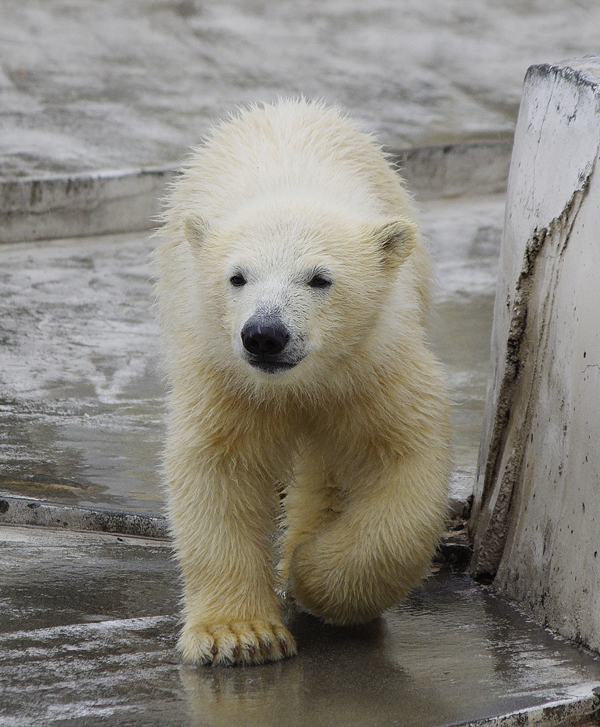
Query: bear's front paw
[[237, 642]]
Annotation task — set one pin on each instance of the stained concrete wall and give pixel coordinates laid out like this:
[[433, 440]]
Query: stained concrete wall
[[537, 501]]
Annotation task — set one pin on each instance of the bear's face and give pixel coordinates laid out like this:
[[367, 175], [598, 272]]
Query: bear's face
[[292, 288]]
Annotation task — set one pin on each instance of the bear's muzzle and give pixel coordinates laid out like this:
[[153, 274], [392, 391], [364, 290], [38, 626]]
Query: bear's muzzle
[[265, 341]]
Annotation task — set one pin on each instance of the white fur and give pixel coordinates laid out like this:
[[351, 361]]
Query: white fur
[[356, 431]]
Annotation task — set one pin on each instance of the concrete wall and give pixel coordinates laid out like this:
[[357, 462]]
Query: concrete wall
[[536, 518]]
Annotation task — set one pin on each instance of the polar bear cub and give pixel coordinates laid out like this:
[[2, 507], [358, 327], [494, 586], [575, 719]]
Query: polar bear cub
[[293, 293]]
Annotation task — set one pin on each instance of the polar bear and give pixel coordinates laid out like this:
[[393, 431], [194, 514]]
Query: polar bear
[[293, 288]]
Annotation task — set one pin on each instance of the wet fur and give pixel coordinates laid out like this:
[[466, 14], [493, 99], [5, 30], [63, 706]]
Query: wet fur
[[356, 431]]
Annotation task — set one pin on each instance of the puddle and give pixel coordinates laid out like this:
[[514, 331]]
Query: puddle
[[81, 398], [46, 487]]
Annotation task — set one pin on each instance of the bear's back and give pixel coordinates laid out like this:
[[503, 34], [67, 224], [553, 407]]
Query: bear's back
[[293, 147]]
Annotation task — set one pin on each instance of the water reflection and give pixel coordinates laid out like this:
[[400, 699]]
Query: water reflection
[[83, 407], [448, 654], [342, 676]]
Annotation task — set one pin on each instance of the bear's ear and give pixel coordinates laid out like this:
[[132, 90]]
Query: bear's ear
[[195, 228], [396, 240]]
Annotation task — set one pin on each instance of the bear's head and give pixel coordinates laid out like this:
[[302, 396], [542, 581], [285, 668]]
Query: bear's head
[[288, 286]]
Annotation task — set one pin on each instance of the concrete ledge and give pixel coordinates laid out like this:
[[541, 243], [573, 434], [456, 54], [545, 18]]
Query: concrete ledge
[[455, 170], [453, 551], [123, 201], [80, 205], [21, 511], [577, 704]]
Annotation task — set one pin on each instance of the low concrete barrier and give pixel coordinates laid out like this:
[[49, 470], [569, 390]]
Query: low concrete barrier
[[21, 511], [536, 515], [122, 201], [455, 170], [81, 204]]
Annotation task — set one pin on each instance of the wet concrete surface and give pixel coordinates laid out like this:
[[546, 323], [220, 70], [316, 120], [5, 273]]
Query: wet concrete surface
[[82, 402], [81, 395], [115, 84], [464, 236], [88, 627]]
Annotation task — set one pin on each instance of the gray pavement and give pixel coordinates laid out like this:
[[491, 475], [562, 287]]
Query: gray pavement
[[88, 628], [118, 84], [82, 401]]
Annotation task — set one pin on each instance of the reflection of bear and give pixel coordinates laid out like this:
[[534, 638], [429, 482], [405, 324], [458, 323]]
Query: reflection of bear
[[293, 291]]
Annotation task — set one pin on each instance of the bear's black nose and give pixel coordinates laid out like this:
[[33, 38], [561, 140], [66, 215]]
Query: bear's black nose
[[264, 339]]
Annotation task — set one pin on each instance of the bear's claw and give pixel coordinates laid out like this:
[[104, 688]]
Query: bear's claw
[[249, 642]]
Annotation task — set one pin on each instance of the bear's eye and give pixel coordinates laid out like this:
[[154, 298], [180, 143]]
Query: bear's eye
[[237, 280], [319, 281]]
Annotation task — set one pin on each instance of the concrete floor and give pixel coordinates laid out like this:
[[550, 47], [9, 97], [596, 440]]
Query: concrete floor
[[88, 627], [116, 84]]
